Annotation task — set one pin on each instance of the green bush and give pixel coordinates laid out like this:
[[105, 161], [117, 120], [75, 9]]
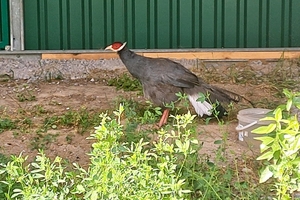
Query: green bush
[[117, 171], [281, 146]]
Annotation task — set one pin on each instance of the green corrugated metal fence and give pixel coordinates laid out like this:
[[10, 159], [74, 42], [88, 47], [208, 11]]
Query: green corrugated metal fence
[[92, 24], [4, 25]]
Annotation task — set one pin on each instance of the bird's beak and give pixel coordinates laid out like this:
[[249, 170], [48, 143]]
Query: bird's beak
[[109, 47]]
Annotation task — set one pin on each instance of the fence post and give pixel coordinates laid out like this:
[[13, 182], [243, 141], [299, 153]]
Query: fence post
[[16, 25]]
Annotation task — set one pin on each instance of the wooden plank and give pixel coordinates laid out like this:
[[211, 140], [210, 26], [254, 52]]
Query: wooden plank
[[222, 55], [88, 56], [225, 55]]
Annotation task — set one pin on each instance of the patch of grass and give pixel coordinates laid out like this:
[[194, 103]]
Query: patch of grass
[[132, 108], [49, 123], [125, 82], [222, 177], [285, 75], [69, 139], [27, 122], [6, 124], [4, 159], [25, 93], [137, 114], [40, 141], [83, 120], [39, 110], [26, 96], [70, 118]]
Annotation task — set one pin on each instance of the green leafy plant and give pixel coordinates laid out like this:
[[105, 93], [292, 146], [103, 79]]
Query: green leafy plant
[[25, 93], [82, 119], [6, 124], [125, 82], [26, 97], [281, 146], [151, 114], [129, 171], [40, 141], [42, 179], [117, 170], [181, 101], [215, 113]]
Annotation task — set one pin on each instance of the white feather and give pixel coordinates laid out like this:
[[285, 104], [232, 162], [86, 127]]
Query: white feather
[[201, 109]]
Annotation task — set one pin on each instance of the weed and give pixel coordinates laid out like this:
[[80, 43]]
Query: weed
[[16, 133], [81, 119], [151, 114], [125, 82], [25, 93], [181, 102], [6, 124], [39, 109], [136, 114], [49, 123], [69, 139], [283, 76], [4, 159], [132, 108], [25, 97], [70, 118], [27, 122], [40, 141]]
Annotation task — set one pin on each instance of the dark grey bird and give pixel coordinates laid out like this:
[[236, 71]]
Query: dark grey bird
[[162, 78]]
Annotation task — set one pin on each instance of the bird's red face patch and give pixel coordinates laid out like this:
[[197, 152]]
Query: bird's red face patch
[[116, 46]]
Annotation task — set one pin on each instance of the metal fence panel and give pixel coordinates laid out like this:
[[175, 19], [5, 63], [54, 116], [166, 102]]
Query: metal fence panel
[[92, 24], [4, 25]]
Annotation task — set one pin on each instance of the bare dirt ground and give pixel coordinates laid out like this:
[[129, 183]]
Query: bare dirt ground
[[31, 103]]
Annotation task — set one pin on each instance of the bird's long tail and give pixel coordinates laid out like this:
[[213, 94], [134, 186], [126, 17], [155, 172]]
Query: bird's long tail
[[206, 97]]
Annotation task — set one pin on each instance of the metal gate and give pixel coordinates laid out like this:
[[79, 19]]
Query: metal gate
[[152, 24], [4, 25]]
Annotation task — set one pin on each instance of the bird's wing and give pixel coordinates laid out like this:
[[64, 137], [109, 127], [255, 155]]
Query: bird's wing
[[160, 93], [173, 73]]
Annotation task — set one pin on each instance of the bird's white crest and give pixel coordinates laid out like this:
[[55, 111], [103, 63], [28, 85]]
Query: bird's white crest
[[121, 47], [201, 108]]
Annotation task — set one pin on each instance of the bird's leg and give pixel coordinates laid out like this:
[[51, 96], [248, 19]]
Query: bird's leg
[[164, 118]]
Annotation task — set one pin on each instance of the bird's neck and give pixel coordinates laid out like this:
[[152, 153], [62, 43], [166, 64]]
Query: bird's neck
[[126, 54], [131, 61]]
